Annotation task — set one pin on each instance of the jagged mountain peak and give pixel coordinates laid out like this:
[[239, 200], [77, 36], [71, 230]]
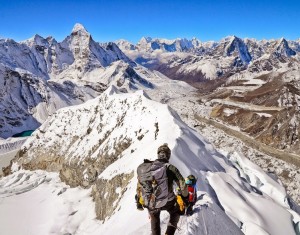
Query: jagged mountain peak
[[51, 39], [145, 39], [195, 41], [230, 38], [79, 28], [80, 34], [283, 48], [38, 37], [236, 39], [282, 39], [35, 39], [125, 45], [233, 37], [282, 42], [110, 46], [235, 44], [39, 40]]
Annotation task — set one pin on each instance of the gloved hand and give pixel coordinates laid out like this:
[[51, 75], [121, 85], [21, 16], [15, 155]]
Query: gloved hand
[[139, 206]]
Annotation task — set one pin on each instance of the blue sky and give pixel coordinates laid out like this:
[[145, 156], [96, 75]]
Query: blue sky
[[115, 19]]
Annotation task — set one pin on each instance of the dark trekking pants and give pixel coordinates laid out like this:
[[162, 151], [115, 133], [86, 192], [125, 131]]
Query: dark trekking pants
[[173, 210]]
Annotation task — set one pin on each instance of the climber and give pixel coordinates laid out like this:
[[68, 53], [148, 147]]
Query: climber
[[155, 190], [190, 181]]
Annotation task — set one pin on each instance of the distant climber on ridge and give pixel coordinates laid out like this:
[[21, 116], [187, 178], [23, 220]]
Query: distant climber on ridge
[[190, 181], [155, 190]]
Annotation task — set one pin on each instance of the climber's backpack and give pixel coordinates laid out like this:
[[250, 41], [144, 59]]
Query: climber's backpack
[[152, 175], [190, 181]]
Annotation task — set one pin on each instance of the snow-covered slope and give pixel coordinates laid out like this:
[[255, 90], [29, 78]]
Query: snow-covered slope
[[99, 144], [40, 75], [26, 100]]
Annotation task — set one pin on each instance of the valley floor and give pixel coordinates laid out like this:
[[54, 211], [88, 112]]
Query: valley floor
[[289, 174]]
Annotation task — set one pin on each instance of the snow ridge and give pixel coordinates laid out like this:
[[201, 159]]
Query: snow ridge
[[103, 158]]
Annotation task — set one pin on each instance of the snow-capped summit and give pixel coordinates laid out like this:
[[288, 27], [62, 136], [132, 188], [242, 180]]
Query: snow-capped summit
[[143, 44], [88, 54], [79, 28], [295, 45], [195, 42], [283, 48], [179, 44], [37, 40], [183, 44], [237, 47], [114, 53], [145, 40], [125, 45]]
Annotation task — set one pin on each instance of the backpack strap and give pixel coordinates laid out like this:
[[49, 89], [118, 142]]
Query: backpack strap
[[147, 161]]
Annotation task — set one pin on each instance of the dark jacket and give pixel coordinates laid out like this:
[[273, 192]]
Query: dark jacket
[[173, 175]]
